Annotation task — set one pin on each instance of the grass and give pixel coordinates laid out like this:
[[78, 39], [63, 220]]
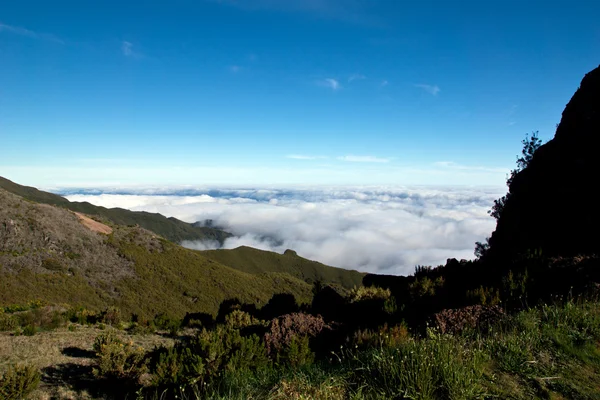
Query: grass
[[549, 352], [257, 261]]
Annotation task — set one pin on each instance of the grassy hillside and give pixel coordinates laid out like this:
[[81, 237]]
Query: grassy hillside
[[46, 253], [169, 228], [254, 261]]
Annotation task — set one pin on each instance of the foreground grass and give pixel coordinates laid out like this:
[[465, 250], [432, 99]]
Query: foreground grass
[[550, 352]]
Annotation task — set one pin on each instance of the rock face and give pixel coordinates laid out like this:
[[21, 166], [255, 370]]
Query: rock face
[[552, 205]]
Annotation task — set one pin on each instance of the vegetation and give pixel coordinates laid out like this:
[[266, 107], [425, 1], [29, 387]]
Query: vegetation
[[549, 351], [169, 228], [255, 261], [18, 382]]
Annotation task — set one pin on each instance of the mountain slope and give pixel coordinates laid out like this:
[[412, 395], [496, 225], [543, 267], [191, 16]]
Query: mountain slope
[[47, 253], [254, 261], [169, 228]]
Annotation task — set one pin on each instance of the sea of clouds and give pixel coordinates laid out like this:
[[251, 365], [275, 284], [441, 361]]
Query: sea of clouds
[[386, 230]]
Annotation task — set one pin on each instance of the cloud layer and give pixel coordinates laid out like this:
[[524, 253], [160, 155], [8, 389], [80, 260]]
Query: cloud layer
[[381, 230]]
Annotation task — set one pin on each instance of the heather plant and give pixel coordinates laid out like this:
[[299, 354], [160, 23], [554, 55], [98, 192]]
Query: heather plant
[[282, 331], [117, 359], [18, 382], [111, 316]]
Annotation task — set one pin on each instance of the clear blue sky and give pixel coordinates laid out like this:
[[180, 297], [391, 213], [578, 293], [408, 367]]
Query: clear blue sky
[[283, 91]]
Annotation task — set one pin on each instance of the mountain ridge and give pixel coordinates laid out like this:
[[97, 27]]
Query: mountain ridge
[[170, 228]]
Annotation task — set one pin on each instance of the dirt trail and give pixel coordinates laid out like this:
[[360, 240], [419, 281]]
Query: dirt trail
[[94, 225]]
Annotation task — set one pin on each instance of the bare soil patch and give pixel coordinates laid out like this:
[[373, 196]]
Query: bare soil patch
[[94, 225]]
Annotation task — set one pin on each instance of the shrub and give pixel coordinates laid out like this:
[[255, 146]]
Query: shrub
[[140, 329], [283, 330], [207, 356], [239, 319], [484, 296], [297, 352], [19, 382], [457, 320], [29, 330], [111, 316], [164, 322], [117, 359], [7, 322], [82, 316], [302, 388], [368, 293]]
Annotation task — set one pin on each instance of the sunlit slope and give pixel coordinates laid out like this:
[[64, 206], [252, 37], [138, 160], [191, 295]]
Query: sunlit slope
[[254, 261], [169, 228], [46, 253]]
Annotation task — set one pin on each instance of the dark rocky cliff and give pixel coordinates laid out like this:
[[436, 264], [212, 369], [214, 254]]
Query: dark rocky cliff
[[553, 204]]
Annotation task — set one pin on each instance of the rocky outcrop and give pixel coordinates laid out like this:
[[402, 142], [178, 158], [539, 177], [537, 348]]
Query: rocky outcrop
[[552, 203]]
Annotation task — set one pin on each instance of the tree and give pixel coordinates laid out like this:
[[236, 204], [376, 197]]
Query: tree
[[530, 146]]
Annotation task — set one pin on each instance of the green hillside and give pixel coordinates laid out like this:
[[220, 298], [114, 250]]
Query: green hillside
[[46, 253], [254, 261], [169, 228]]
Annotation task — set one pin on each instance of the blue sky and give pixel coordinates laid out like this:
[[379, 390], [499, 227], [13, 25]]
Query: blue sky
[[257, 92]]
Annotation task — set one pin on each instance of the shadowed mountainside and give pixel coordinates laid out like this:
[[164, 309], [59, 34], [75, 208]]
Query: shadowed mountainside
[[551, 205], [255, 261], [169, 228]]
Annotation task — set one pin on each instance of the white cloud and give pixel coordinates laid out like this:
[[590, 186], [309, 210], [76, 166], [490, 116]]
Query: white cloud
[[29, 33], [356, 77], [372, 229], [235, 68], [331, 83], [128, 50], [384, 83], [304, 157], [431, 89], [455, 166], [364, 159]]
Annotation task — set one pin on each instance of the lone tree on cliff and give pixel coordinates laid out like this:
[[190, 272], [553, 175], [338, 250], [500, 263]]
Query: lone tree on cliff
[[530, 146]]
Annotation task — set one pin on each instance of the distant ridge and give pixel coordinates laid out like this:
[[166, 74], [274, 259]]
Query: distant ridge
[[170, 228], [255, 261]]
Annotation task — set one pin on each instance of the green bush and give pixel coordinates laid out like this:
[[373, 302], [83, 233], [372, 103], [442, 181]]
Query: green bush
[[117, 359], [297, 352], [165, 322], [19, 382], [8, 322], [238, 319], [209, 355], [29, 330]]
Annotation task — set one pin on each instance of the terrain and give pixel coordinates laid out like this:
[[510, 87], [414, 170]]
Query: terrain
[[257, 261], [170, 228], [47, 253]]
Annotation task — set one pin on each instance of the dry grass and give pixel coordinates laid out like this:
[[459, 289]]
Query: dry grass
[[65, 357]]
